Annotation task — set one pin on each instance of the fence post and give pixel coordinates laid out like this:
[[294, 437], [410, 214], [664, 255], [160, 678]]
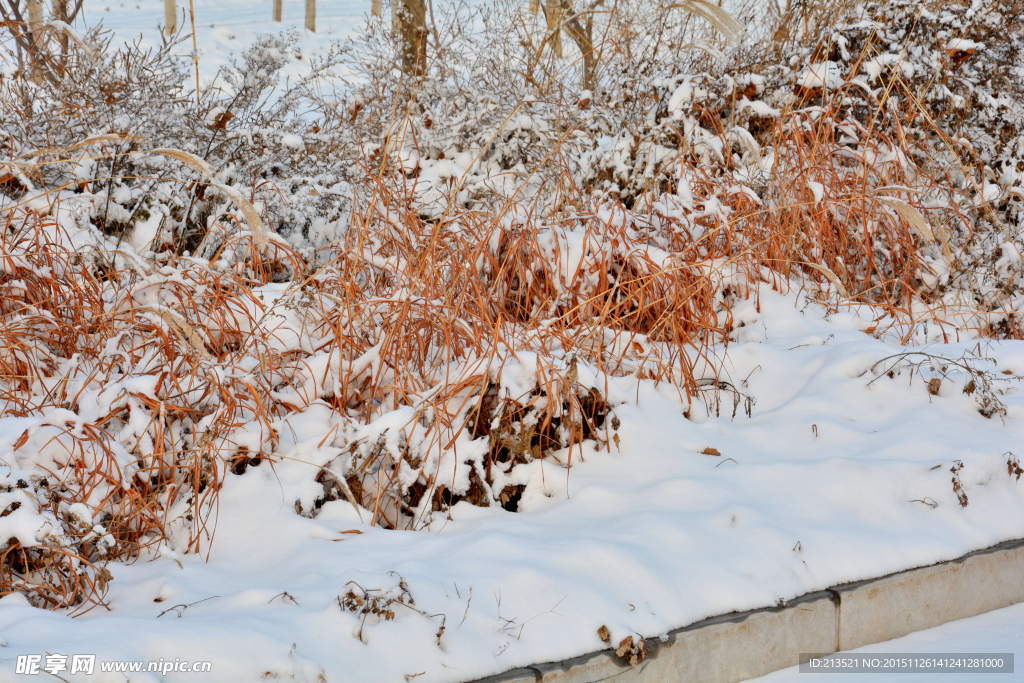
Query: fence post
[[311, 15], [170, 17], [277, 10]]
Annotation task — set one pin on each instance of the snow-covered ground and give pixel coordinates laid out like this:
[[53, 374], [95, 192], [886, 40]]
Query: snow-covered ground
[[1000, 631], [228, 26], [822, 485]]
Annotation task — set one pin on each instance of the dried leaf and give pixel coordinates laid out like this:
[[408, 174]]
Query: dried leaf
[[106, 137], [221, 120], [831, 277], [710, 451], [573, 375], [958, 487], [632, 654], [604, 634], [717, 54], [181, 325], [625, 647], [1013, 466], [934, 384], [103, 577], [912, 216]]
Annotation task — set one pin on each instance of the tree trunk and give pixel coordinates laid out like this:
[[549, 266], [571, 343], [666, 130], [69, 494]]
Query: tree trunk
[[277, 10], [60, 13], [311, 15], [582, 36], [35, 18], [170, 17], [411, 22], [37, 52]]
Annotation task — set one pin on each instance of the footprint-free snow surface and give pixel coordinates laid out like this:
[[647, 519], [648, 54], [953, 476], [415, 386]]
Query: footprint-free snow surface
[[841, 472]]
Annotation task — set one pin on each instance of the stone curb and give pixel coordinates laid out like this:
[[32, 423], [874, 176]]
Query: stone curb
[[742, 645]]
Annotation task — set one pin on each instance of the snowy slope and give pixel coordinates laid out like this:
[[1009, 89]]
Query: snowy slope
[[818, 487]]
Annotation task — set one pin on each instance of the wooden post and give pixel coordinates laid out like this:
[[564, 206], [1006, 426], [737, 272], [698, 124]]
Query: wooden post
[[412, 24], [553, 14], [277, 10], [170, 17], [311, 15], [35, 18], [39, 74]]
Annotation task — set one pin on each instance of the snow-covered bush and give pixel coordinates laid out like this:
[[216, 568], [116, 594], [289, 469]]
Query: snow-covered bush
[[251, 130], [885, 149], [882, 154]]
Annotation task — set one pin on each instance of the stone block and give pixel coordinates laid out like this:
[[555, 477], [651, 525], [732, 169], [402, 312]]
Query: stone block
[[720, 650], [899, 604]]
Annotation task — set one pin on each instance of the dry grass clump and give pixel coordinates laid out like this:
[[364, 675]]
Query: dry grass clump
[[433, 320], [131, 403], [452, 267], [451, 351]]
